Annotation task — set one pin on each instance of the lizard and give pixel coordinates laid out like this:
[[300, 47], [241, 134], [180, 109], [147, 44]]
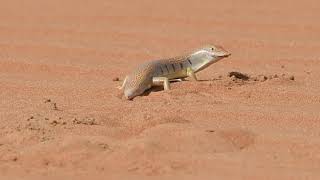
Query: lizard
[[162, 72]]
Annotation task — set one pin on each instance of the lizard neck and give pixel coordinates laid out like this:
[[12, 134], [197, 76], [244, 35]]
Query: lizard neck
[[200, 63]]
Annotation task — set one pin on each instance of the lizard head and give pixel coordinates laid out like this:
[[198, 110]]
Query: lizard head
[[215, 51], [135, 87], [131, 92], [207, 55]]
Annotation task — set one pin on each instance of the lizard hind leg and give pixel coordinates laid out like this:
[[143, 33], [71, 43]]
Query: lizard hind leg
[[162, 81]]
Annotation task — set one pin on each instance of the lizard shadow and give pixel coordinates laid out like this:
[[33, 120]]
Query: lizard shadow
[[160, 88], [156, 89], [199, 80], [152, 89], [204, 80]]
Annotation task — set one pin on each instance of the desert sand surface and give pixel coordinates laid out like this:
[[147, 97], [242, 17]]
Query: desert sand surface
[[62, 116]]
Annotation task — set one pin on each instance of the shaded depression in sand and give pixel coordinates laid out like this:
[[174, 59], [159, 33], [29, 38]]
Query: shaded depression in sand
[[254, 115]]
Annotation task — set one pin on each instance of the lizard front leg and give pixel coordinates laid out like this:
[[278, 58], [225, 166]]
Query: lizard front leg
[[123, 84], [191, 74], [161, 81]]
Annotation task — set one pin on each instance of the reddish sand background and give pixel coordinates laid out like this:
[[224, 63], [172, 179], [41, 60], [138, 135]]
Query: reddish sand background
[[63, 118]]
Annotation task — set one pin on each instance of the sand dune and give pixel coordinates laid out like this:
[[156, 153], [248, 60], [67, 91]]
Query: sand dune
[[63, 118]]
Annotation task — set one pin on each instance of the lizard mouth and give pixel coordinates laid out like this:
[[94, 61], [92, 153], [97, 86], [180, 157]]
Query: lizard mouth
[[226, 55], [222, 55]]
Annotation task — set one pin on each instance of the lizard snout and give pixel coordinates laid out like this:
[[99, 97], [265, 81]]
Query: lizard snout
[[129, 94], [227, 55]]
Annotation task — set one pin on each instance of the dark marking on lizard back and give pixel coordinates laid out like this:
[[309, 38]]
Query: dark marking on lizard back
[[181, 65], [189, 61], [161, 70], [167, 68], [174, 69]]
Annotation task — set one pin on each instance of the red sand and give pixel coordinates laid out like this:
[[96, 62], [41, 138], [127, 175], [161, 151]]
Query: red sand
[[63, 118]]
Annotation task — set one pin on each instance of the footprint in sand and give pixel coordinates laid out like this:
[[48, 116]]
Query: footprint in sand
[[238, 138], [188, 140], [165, 149]]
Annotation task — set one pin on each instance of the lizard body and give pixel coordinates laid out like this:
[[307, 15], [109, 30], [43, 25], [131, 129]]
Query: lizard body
[[160, 72]]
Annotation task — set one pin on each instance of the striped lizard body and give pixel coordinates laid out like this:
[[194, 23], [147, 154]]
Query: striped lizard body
[[160, 72]]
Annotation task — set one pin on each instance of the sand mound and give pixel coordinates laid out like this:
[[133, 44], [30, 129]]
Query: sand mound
[[254, 115]]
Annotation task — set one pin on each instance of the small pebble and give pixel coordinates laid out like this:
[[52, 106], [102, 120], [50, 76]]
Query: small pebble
[[291, 78], [262, 78], [30, 118], [233, 78], [238, 75], [54, 122], [210, 130], [116, 79], [55, 107], [15, 158]]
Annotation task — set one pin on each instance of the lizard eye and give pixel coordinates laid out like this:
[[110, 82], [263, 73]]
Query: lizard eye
[[212, 49]]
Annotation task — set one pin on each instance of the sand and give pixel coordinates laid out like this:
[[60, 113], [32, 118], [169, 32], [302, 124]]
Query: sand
[[62, 116]]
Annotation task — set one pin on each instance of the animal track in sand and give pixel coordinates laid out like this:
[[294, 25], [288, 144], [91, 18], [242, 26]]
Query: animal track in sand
[[68, 150], [53, 104], [232, 80], [179, 142], [239, 78], [164, 140], [49, 118], [239, 138], [235, 79], [136, 126]]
